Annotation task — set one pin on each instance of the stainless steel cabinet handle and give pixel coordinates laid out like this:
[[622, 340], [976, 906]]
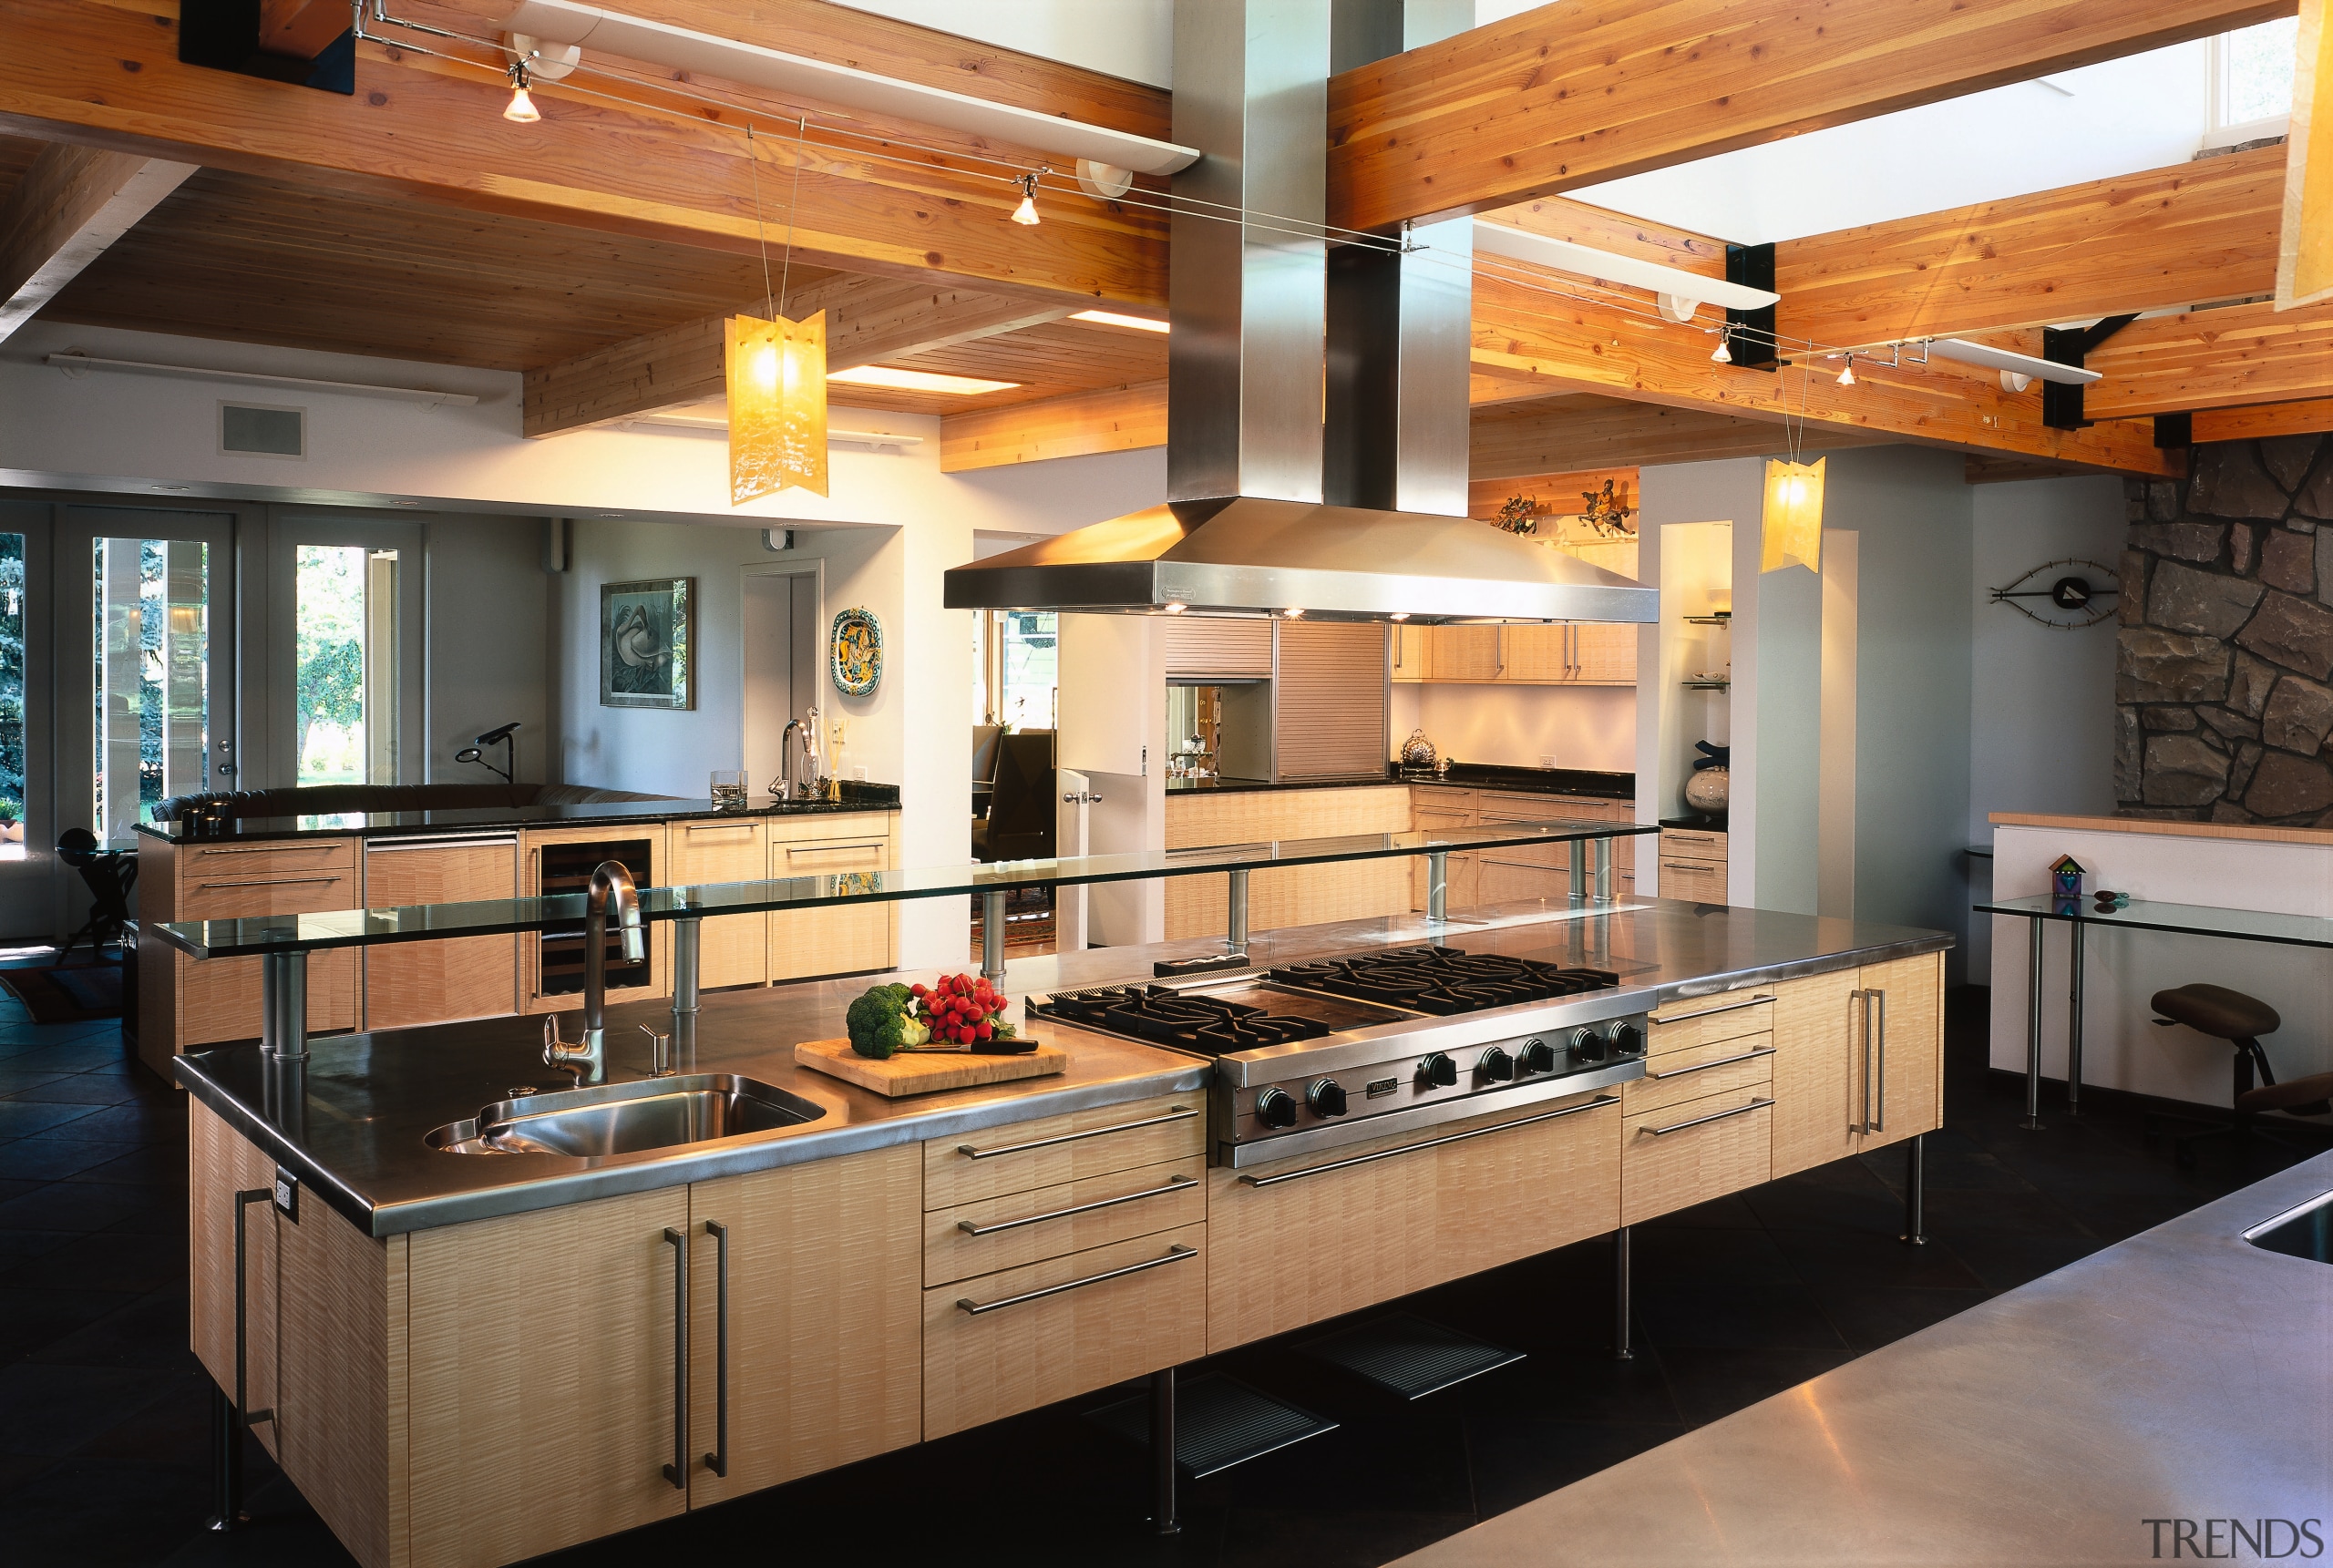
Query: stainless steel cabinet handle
[[1176, 1253], [1174, 1185], [1713, 1012], [677, 1472], [243, 1202], [718, 1461], [1720, 1062], [1600, 1099], [270, 849], [1702, 1121], [1879, 1122], [1863, 1027], [439, 841], [266, 882], [1180, 1114]]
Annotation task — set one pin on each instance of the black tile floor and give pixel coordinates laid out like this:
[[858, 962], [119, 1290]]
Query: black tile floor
[[104, 1448]]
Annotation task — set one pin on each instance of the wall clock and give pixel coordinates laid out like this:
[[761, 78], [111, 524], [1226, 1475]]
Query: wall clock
[[2073, 598], [855, 652]]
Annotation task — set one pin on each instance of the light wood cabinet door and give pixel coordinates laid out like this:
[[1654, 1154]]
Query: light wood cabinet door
[[1816, 1113], [1071, 1147], [732, 949], [837, 938], [413, 983], [1906, 1048], [1505, 882], [1538, 655], [823, 1335], [1463, 871], [1604, 654], [1463, 652], [341, 1412], [218, 998], [220, 1163], [995, 1234], [1311, 1237], [542, 1368], [1407, 653], [1687, 1154]]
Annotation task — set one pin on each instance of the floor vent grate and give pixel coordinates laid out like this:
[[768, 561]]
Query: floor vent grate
[[1219, 1422], [1409, 1355]]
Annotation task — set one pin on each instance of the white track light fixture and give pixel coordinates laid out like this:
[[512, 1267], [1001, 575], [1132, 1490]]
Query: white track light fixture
[[522, 109], [1027, 213], [1722, 354], [1847, 376]]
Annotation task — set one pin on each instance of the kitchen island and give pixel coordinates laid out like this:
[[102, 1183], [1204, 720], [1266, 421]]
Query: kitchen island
[[429, 1333]]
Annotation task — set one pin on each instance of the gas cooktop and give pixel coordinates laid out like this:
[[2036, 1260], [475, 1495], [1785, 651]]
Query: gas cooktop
[[1445, 980], [1213, 1020]]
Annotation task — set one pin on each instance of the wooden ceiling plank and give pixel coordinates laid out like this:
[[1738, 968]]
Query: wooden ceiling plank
[[1566, 94], [2224, 358], [421, 128], [2189, 234], [71, 204], [1117, 419], [2308, 417], [1576, 434]]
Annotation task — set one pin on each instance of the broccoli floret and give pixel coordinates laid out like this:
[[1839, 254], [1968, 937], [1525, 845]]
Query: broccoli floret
[[881, 1020]]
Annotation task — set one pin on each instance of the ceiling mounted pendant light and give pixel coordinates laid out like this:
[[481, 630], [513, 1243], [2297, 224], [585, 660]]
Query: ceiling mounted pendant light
[[1790, 531], [522, 109], [776, 372], [1847, 376], [1722, 354], [1027, 213]]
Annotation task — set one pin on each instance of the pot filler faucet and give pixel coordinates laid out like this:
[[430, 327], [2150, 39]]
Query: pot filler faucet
[[800, 736], [612, 887]]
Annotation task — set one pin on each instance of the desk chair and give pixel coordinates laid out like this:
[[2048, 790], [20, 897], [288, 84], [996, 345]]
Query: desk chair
[[109, 875], [2239, 1019]]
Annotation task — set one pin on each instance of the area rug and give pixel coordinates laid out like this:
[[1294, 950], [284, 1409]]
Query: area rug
[[66, 995]]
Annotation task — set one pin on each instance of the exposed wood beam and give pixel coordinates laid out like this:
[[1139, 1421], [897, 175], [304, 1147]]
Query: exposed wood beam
[[71, 204], [1572, 434], [2211, 359], [1116, 419], [1570, 94], [675, 169], [1573, 346], [867, 320], [1557, 493], [2191, 235], [2310, 416], [1560, 218]]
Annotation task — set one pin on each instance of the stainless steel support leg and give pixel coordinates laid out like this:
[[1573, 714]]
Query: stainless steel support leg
[[2032, 1123], [687, 933], [1603, 871], [283, 1040], [1437, 886], [1621, 1349], [226, 1463], [1235, 935], [2073, 1023], [1162, 1453], [1578, 872], [1915, 1170], [991, 934]]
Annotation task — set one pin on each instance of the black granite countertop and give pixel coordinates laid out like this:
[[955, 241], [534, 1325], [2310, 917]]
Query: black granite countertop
[[855, 797], [1585, 781]]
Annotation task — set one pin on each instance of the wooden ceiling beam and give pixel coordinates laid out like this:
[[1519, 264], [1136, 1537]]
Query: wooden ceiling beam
[[867, 320], [69, 206], [1575, 433], [1569, 94], [2308, 417], [1576, 346], [2211, 359], [1114, 419], [2189, 234], [669, 164]]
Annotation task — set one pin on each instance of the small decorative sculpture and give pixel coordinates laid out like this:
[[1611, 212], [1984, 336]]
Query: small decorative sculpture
[[1418, 751], [1606, 513], [1519, 515], [2066, 877]]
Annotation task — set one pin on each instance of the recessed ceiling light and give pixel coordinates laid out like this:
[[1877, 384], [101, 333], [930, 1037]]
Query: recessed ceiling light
[[1114, 319], [915, 380]]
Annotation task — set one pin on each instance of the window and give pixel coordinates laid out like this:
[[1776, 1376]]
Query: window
[[12, 683], [345, 702], [2252, 81], [1015, 653], [150, 662]]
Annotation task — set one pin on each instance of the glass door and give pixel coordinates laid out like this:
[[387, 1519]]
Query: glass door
[[345, 633]]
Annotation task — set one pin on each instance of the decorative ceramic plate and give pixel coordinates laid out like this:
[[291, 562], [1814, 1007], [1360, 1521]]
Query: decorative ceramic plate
[[856, 653]]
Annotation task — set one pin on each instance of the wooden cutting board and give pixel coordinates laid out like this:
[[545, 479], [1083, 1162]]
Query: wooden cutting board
[[926, 1072]]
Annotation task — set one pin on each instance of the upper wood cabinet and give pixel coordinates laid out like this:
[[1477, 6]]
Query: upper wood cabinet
[[1406, 653], [1462, 653], [1329, 705], [1563, 655], [1219, 645]]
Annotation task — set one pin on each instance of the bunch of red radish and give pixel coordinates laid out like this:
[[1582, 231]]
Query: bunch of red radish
[[962, 1009]]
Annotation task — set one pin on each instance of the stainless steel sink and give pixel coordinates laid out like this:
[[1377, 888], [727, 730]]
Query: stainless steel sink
[[627, 1117], [2305, 1231]]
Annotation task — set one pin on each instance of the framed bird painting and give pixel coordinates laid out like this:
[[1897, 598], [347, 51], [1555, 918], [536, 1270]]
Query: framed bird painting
[[647, 643]]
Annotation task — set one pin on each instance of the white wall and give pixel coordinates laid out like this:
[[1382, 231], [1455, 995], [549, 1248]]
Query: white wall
[[1522, 726], [486, 611]]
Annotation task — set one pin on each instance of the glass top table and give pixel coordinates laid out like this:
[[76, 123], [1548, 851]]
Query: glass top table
[[2040, 910]]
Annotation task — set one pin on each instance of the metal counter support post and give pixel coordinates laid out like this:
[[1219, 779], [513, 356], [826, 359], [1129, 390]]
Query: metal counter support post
[[1162, 1452], [2073, 1022], [1915, 1171], [1603, 871], [687, 932], [1621, 1351], [1578, 871], [991, 934], [2032, 1123], [226, 1463], [1437, 886], [1235, 936], [283, 1039]]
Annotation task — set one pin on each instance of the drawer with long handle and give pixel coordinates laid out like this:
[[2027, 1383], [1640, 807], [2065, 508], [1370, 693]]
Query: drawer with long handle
[[1697, 881], [1676, 1076], [1687, 1153], [1008, 1342], [1050, 1151], [993, 1234], [1705, 1020]]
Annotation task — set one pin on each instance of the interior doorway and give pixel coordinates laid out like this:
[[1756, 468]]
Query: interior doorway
[[345, 638], [783, 634]]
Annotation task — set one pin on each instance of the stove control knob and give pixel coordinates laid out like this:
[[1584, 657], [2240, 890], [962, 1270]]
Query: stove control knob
[[1437, 1071], [1627, 1039], [1495, 1065], [1539, 1056], [1587, 1045], [1276, 1108], [1327, 1097]]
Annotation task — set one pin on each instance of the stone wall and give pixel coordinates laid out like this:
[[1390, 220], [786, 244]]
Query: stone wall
[[2222, 696]]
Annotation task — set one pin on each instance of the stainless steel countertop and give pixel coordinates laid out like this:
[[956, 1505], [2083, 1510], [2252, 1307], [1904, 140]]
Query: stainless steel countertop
[[372, 1099], [2182, 1374]]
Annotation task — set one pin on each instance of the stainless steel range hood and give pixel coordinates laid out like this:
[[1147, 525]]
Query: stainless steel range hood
[[1274, 342]]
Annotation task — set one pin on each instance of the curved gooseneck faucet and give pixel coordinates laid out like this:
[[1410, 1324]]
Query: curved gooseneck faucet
[[611, 892]]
